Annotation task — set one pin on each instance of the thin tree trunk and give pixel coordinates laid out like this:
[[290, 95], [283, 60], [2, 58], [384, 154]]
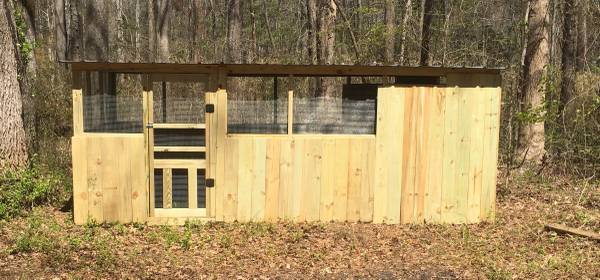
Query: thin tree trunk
[[234, 32], [161, 10], [198, 29], [119, 26], [13, 143], [582, 11], [60, 26], [151, 31], [390, 30], [96, 31], [136, 36], [405, 19], [254, 48], [326, 43], [569, 50], [311, 18], [357, 56], [273, 50], [75, 38], [531, 135], [426, 9]]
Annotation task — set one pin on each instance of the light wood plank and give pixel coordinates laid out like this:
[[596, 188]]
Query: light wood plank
[[435, 160], [327, 181], [495, 120], [311, 180], [180, 125], [296, 189], [192, 188], [229, 199], [179, 149], [81, 194], [424, 97], [341, 172], [77, 112], [367, 150], [355, 173], [167, 190], [95, 178], [139, 183], [245, 180], [449, 170], [179, 163], [258, 180], [290, 115], [286, 181], [463, 157], [272, 194], [220, 131], [180, 212], [477, 97], [409, 156]]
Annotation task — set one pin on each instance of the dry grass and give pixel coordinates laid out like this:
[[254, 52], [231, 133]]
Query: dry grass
[[46, 244]]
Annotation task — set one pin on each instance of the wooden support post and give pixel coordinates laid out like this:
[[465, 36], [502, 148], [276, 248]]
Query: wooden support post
[[148, 117], [275, 97], [77, 104], [167, 188], [290, 114], [192, 188]]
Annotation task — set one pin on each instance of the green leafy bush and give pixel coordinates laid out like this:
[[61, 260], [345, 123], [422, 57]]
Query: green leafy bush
[[23, 189]]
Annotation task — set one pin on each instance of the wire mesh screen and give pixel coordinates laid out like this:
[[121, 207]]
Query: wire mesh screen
[[178, 103], [334, 115], [180, 188], [201, 180], [112, 103], [257, 116], [179, 137]]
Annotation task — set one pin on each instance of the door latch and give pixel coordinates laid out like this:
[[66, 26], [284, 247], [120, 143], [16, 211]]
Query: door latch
[[210, 182], [210, 108]]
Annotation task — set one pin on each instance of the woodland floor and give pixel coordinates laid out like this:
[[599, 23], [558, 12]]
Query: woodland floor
[[46, 244]]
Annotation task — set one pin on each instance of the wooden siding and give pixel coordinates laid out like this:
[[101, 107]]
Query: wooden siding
[[432, 159], [109, 178]]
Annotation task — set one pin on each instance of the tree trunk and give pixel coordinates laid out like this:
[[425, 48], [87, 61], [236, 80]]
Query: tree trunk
[[426, 9], [75, 31], [390, 29], [531, 135], [198, 29], [96, 31], [569, 42], [582, 11], [161, 16], [234, 32], [326, 43], [405, 19], [136, 36], [311, 18], [60, 27], [13, 143]]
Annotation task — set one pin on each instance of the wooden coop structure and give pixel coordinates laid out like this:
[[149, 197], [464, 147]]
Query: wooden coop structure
[[420, 146]]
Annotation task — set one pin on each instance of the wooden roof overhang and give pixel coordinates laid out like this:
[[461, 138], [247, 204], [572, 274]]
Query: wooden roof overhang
[[258, 70]]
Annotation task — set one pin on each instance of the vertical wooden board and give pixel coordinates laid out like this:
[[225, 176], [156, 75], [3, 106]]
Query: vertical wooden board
[[355, 172], [220, 131], [340, 180], [477, 98], [286, 175], [245, 179], [167, 188], [229, 199], [94, 179], [311, 180], [258, 179], [139, 186], [495, 130], [327, 180], [192, 188], [394, 149], [148, 117], [380, 191], [110, 148], [409, 156], [435, 160], [367, 149], [272, 180], [126, 177], [80, 183], [295, 193], [77, 112], [424, 97], [465, 113], [449, 170]]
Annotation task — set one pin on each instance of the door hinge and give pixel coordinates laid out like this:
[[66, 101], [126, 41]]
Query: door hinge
[[210, 182], [210, 108]]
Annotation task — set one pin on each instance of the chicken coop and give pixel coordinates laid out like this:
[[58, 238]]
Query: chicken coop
[[169, 143]]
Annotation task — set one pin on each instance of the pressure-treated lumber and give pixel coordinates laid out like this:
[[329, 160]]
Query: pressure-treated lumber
[[573, 231]]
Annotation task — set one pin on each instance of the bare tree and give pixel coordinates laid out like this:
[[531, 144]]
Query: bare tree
[[426, 15], [60, 26], [390, 29], [96, 31], [234, 32], [531, 135], [161, 16], [569, 50], [326, 42], [13, 143], [75, 31], [582, 12], [403, 27], [311, 18]]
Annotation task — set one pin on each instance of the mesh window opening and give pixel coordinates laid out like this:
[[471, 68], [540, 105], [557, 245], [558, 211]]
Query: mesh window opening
[[112, 103], [178, 102]]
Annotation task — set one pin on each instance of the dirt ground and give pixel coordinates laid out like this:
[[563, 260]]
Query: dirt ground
[[46, 245]]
